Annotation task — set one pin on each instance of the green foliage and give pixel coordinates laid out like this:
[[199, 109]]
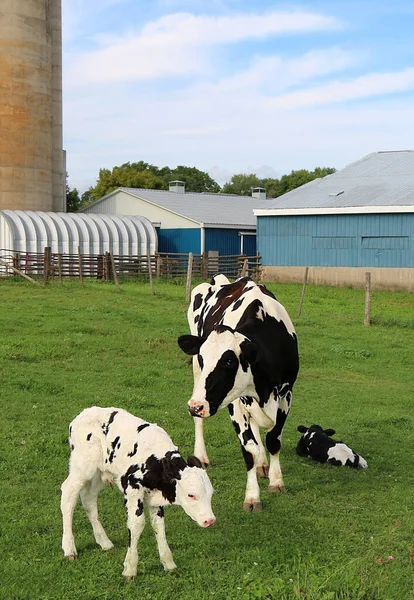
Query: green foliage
[[242, 183], [144, 175], [337, 534], [73, 201]]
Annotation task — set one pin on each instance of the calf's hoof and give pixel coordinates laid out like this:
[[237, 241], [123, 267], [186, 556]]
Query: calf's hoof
[[129, 577], [252, 506], [263, 471], [72, 557], [277, 489]]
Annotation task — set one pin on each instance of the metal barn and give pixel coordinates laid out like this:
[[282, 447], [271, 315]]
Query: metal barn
[[189, 222], [358, 219], [32, 231]]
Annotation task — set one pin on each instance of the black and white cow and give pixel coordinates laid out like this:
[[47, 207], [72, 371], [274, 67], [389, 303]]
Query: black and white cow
[[110, 444], [317, 443], [245, 356]]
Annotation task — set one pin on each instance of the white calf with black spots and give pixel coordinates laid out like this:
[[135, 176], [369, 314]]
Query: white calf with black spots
[[111, 445], [318, 444], [245, 356]]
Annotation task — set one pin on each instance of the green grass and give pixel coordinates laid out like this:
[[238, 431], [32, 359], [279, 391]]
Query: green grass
[[328, 538]]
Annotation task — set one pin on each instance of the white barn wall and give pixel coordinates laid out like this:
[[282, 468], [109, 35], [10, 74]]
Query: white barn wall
[[122, 203]]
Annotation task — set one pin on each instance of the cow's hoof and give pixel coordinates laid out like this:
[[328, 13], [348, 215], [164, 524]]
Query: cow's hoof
[[252, 506], [277, 489], [263, 471], [129, 577], [72, 557]]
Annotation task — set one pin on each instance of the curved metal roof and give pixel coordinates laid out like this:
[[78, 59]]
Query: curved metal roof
[[32, 231]]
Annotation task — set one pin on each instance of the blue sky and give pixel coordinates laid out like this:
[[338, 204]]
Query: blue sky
[[234, 86]]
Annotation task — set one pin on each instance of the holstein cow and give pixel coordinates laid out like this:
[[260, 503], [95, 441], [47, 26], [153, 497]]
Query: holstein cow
[[245, 356], [318, 444], [110, 444]]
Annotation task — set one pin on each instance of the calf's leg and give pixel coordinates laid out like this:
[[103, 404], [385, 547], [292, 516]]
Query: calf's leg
[[89, 498], [158, 525], [134, 504], [70, 488]]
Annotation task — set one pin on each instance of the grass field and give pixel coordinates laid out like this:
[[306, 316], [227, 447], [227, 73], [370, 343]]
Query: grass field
[[337, 534]]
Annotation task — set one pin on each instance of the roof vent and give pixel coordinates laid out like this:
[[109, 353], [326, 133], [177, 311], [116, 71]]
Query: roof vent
[[259, 193], [178, 187], [336, 193]]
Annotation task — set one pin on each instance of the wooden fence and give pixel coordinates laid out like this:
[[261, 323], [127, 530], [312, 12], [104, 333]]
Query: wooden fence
[[106, 266]]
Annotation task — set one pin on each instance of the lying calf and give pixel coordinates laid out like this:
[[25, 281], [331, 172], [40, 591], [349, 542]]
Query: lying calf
[[317, 443], [110, 444]]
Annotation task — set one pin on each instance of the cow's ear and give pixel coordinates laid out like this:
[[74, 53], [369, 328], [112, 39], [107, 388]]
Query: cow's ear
[[249, 351], [190, 344], [302, 429], [193, 461], [329, 432]]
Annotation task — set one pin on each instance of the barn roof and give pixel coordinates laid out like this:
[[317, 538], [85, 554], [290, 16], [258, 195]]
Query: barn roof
[[378, 182], [206, 209]]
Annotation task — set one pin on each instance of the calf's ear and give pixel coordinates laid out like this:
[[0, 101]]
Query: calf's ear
[[190, 344], [302, 429], [330, 432], [193, 461]]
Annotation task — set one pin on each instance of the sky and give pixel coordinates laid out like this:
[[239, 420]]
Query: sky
[[235, 86]]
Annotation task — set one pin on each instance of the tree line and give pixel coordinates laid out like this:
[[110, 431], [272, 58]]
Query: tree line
[[144, 175]]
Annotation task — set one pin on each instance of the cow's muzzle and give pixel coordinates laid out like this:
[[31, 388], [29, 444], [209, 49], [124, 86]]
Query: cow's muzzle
[[197, 410]]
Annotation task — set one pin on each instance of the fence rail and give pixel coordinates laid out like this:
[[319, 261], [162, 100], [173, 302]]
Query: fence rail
[[47, 265]]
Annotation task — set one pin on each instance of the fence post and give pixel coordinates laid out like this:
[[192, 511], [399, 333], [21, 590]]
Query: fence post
[[46, 264], [80, 266], [115, 274], [205, 265], [367, 313], [305, 281], [189, 277], [60, 268], [245, 268], [158, 265], [150, 273]]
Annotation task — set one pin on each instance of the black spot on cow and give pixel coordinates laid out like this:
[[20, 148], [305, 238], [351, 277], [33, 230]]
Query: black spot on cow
[[142, 427], [197, 302], [106, 426], [248, 458], [140, 508], [231, 409], [162, 474], [114, 445], [134, 450], [129, 479], [160, 512], [70, 430], [221, 380], [193, 461], [196, 318], [248, 435], [237, 304], [129, 536], [72, 447], [236, 427], [200, 361], [88, 437]]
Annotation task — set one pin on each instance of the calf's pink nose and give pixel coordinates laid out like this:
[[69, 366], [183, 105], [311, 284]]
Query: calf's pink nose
[[209, 522]]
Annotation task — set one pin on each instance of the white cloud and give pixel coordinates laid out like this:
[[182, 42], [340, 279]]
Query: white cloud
[[178, 44], [365, 86]]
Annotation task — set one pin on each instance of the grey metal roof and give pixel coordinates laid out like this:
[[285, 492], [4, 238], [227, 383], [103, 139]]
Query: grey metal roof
[[378, 179], [209, 209]]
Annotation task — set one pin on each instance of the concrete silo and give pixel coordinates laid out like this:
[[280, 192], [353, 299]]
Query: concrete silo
[[32, 165]]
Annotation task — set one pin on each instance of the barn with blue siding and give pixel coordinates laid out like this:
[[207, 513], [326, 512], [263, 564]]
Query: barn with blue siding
[[189, 222], [358, 219]]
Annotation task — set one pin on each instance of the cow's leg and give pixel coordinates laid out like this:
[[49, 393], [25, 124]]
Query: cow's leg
[[71, 489], [89, 498], [158, 525], [250, 449], [199, 445], [262, 464], [134, 505], [274, 439]]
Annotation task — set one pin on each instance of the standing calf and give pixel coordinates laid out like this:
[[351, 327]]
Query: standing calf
[[318, 444], [110, 444]]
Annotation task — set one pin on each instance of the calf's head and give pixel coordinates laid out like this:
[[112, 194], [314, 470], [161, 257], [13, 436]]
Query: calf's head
[[224, 359], [194, 492], [308, 433]]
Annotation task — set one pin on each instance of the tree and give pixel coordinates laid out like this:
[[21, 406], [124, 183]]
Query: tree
[[144, 175], [73, 200], [241, 184]]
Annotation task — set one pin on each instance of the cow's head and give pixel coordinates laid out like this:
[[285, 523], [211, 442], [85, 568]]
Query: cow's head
[[194, 492], [224, 360]]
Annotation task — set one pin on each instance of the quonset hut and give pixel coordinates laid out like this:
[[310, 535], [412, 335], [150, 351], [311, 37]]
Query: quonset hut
[[32, 231]]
